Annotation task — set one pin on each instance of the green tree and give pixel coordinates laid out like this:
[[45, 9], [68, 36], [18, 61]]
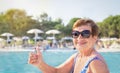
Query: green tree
[[17, 21], [110, 27]]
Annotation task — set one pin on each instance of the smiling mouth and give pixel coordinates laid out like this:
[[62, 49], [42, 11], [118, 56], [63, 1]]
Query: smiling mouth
[[81, 43]]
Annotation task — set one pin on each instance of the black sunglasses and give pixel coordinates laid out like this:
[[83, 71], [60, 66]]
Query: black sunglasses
[[84, 34]]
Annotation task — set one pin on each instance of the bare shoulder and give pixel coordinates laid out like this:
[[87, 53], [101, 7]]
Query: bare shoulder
[[74, 55], [99, 65]]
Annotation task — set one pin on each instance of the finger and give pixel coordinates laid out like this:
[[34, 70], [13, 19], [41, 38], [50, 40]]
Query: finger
[[32, 56], [31, 53], [32, 61]]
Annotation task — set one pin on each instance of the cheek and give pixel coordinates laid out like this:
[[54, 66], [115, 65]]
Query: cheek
[[74, 41], [91, 43]]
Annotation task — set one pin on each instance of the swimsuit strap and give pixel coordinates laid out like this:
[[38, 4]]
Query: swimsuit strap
[[87, 64]]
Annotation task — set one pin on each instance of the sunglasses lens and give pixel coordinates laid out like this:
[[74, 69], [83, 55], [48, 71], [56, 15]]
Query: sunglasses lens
[[86, 33], [75, 34]]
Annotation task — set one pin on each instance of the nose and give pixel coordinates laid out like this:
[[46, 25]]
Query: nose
[[79, 37]]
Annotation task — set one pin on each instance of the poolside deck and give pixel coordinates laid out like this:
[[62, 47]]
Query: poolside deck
[[26, 49]]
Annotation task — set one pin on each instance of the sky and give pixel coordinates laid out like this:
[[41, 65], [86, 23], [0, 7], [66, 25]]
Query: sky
[[97, 10]]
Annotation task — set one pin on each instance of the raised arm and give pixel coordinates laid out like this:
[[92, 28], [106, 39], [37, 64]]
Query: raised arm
[[37, 60]]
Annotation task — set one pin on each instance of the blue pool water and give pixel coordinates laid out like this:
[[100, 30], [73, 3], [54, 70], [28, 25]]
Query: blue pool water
[[16, 62]]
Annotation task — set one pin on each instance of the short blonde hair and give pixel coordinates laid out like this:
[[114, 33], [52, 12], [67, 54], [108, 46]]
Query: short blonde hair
[[91, 23]]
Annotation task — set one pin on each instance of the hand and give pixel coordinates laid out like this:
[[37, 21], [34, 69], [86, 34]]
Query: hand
[[35, 58]]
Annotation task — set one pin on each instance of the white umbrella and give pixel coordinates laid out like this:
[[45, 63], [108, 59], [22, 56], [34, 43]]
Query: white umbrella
[[54, 31], [25, 38], [8, 35], [35, 31]]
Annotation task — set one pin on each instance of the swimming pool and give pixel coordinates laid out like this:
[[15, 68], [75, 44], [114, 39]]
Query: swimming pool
[[16, 62]]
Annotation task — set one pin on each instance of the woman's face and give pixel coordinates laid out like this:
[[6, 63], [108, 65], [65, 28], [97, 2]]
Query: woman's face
[[83, 39]]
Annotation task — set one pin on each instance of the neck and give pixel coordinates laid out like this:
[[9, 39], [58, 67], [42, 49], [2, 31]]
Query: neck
[[86, 52]]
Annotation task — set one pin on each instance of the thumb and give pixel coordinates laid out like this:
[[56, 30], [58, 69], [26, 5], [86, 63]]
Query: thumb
[[38, 51]]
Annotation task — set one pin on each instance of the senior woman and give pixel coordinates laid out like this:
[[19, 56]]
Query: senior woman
[[86, 60]]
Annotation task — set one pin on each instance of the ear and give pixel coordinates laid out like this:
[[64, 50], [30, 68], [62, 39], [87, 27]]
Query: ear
[[95, 38]]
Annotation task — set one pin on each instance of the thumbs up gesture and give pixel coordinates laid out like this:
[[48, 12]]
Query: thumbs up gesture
[[35, 58]]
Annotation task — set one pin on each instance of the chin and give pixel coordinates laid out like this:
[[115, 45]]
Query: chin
[[80, 48]]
